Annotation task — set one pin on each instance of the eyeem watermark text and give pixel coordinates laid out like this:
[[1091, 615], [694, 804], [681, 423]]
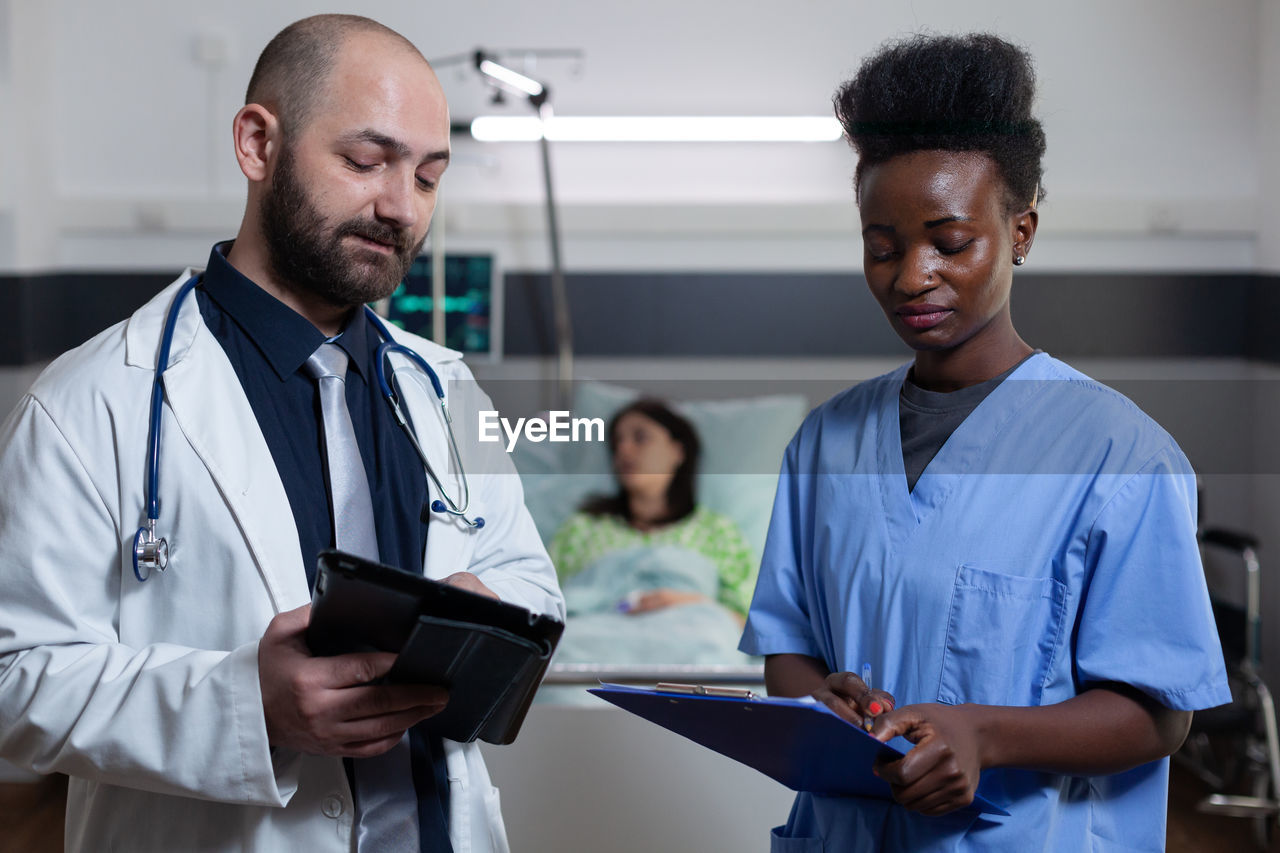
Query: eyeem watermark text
[[558, 426]]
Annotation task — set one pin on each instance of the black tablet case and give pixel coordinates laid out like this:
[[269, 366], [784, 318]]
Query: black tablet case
[[489, 654]]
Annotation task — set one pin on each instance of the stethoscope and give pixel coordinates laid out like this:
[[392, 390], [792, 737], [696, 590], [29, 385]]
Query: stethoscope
[[151, 552]]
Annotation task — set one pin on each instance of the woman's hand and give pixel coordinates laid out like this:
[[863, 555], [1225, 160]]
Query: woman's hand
[[941, 773], [849, 696], [659, 599], [1107, 729]]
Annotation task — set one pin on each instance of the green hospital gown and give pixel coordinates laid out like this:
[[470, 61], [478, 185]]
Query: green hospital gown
[[585, 538]]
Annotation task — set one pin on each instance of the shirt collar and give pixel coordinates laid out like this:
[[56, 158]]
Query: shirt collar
[[285, 338], [354, 340]]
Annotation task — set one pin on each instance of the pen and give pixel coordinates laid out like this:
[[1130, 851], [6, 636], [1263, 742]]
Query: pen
[[874, 706]]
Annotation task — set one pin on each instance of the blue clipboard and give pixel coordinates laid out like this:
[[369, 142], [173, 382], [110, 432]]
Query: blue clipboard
[[800, 743]]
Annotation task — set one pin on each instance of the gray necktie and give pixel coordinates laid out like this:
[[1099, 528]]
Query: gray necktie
[[385, 801], [353, 529]]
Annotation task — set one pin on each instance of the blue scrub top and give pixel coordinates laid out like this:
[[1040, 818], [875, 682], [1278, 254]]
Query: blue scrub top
[[1049, 545]]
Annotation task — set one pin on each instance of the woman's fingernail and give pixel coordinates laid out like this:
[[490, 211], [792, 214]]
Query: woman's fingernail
[[875, 707]]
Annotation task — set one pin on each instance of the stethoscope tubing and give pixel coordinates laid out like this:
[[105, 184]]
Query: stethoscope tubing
[[388, 346], [155, 549], [157, 400]]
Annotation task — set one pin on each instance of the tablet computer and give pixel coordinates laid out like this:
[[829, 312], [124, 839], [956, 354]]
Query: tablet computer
[[491, 655]]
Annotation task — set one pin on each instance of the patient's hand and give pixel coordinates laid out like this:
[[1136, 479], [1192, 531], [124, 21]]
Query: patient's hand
[[659, 599]]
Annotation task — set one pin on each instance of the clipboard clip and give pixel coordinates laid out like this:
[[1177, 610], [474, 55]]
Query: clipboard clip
[[704, 690]]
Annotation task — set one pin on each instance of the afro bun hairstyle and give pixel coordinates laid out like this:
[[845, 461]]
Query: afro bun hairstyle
[[948, 93]]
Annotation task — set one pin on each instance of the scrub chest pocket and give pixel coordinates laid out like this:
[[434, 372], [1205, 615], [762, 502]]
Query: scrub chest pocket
[[1004, 635]]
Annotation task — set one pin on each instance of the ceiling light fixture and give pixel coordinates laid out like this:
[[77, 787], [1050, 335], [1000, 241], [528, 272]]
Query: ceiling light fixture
[[513, 79], [559, 128]]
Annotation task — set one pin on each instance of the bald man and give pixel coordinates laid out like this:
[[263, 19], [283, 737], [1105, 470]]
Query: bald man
[[185, 705]]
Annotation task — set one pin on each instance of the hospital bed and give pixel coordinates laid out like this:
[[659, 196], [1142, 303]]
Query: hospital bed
[[585, 775], [743, 440]]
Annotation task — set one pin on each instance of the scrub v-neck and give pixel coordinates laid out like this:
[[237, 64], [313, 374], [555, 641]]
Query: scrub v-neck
[[907, 509]]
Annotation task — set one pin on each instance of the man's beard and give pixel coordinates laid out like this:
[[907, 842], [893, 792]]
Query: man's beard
[[304, 254]]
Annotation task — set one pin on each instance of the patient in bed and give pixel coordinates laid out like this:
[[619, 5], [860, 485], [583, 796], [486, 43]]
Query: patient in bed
[[649, 576]]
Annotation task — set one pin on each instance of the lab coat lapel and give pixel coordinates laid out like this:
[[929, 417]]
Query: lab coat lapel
[[446, 535], [211, 410]]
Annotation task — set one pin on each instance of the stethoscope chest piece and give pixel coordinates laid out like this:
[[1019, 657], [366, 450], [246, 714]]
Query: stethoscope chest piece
[[149, 553]]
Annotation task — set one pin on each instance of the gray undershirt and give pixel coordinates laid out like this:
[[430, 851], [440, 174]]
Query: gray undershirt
[[927, 418]]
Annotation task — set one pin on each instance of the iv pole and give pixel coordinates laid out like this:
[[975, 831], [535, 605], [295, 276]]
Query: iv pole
[[539, 98]]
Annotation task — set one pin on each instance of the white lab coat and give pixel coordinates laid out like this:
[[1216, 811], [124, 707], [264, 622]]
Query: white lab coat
[[148, 694]]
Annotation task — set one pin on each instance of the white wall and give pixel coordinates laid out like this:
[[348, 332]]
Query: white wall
[[8, 138], [1268, 34], [28, 233], [119, 152]]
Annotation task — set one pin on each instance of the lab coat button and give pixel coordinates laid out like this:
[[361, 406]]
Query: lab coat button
[[332, 806]]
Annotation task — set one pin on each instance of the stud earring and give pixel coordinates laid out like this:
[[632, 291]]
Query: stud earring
[[1019, 260]]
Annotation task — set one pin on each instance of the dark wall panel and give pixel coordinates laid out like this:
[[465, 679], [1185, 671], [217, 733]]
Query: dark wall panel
[[750, 314], [1134, 315], [48, 314], [12, 321], [700, 314], [1264, 319], [775, 314]]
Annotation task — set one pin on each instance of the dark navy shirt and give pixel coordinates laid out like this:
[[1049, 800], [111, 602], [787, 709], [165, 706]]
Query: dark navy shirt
[[268, 344]]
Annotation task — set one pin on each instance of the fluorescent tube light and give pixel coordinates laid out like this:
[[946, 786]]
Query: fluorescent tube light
[[514, 79], [657, 128]]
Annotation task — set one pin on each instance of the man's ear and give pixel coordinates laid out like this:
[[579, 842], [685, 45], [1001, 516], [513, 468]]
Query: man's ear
[[256, 134]]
